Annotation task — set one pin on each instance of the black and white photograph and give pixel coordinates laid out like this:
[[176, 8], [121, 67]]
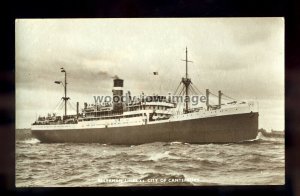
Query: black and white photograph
[[133, 102]]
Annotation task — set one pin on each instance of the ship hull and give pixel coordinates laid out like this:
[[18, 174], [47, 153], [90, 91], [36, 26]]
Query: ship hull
[[218, 129]]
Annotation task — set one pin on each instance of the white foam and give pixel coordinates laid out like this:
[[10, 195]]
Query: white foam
[[172, 143], [158, 156], [31, 141]]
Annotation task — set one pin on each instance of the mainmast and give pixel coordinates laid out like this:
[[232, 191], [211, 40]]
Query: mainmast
[[186, 63], [186, 81], [65, 98]]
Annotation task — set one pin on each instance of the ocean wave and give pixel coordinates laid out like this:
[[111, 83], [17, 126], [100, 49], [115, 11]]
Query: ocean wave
[[107, 155], [21, 156], [273, 134], [260, 138], [244, 169], [152, 175], [256, 140], [86, 155], [167, 155], [190, 169], [222, 153], [28, 156], [176, 143], [208, 162], [62, 164], [256, 158], [47, 162], [74, 180], [166, 179], [273, 141], [158, 156], [29, 141]]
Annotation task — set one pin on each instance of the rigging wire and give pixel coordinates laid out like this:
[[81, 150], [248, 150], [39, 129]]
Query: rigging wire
[[213, 94], [230, 97], [194, 89], [182, 90], [194, 86], [60, 106], [57, 105], [177, 88], [71, 106], [226, 98]]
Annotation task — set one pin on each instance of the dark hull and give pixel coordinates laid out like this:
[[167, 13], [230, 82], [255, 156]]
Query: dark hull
[[220, 129]]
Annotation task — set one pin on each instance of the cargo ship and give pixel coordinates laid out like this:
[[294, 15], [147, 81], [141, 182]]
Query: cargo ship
[[151, 118]]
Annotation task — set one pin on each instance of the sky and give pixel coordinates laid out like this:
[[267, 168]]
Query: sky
[[243, 57]]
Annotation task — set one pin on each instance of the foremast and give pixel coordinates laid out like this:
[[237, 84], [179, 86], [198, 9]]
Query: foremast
[[65, 98]]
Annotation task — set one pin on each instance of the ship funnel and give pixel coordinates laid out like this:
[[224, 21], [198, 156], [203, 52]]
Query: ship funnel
[[118, 82], [118, 94]]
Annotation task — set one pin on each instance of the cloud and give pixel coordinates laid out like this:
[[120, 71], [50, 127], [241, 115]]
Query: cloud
[[241, 56]]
